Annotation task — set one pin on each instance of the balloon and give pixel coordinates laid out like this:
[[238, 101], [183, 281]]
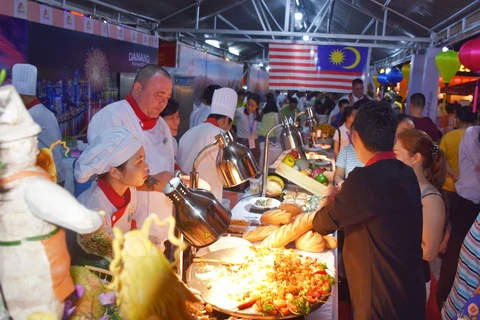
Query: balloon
[[469, 55], [375, 81], [406, 72], [447, 64], [382, 78], [395, 76]]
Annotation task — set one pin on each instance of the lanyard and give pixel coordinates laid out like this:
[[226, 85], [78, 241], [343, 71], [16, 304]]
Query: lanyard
[[349, 137], [251, 123]]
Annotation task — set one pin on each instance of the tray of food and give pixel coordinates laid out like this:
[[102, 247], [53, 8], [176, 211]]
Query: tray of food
[[261, 283], [264, 202], [238, 227]]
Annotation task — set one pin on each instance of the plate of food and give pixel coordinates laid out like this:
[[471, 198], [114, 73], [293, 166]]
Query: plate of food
[[261, 283], [264, 202], [325, 146], [312, 148], [321, 162]]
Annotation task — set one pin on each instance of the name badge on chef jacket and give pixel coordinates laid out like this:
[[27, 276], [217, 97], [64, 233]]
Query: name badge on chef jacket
[[251, 143]]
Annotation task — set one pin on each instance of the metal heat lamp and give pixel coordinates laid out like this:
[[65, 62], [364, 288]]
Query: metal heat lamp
[[290, 138], [200, 217]]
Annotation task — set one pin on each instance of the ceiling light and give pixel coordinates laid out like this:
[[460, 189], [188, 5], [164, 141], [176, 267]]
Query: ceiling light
[[207, 35], [444, 49], [233, 51], [307, 38], [298, 3], [267, 68], [213, 43], [260, 64], [298, 16]]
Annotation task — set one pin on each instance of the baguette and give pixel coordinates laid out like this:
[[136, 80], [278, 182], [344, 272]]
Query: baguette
[[286, 234], [293, 208], [330, 242], [259, 233], [275, 217], [310, 242]]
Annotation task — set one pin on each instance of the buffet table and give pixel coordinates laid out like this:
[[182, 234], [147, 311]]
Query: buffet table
[[328, 311], [242, 211]]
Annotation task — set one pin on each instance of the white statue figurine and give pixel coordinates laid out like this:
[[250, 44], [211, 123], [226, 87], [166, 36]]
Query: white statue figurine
[[34, 261]]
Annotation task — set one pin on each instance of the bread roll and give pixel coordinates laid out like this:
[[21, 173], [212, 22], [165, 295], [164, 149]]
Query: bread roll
[[289, 232], [275, 217], [310, 242], [259, 233], [292, 208], [330, 242]]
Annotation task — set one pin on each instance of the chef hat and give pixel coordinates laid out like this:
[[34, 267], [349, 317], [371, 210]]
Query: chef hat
[[15, 121], [224, 102], [24, 79], [111, 148]]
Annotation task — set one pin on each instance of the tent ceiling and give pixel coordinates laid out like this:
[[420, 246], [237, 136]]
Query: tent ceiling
[[412, 22]]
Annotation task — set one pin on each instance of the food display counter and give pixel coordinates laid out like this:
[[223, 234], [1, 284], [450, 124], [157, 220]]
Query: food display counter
[[329, 310], [245, 210]]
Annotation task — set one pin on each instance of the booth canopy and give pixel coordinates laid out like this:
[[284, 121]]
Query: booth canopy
[[253, 23]]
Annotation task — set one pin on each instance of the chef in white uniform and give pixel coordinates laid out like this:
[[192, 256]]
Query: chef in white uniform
[[139, 113], [200, 114], [220, 120], [24, 79], [117, 158], [354, 96]]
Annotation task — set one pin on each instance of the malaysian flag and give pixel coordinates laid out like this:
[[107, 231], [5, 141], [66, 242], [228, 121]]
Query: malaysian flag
[[317, 68]]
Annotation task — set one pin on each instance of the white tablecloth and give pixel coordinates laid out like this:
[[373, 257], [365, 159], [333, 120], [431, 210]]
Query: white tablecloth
[[329, 311]]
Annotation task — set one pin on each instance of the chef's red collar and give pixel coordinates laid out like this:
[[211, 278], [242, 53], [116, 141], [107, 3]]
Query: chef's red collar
[[387, 155], [146, 122], [33, 103], [212, 121], [118, 201]]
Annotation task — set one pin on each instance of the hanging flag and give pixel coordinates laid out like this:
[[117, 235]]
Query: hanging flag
[[317, 68]]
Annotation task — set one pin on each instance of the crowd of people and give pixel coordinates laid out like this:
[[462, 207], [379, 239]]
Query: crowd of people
[[403, 194]]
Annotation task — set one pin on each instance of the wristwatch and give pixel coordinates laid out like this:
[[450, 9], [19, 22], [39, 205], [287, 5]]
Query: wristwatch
[[325, 197]]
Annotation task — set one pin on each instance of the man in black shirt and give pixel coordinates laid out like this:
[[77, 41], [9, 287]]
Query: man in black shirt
[[380, 210]]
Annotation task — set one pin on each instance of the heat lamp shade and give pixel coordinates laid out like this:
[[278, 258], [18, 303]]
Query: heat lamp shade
[[199, 216], [235, 162]]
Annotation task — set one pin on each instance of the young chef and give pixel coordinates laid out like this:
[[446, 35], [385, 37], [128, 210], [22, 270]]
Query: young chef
[[220, 120], [117, 158], [139, 113], [380, 209], [24, 79]]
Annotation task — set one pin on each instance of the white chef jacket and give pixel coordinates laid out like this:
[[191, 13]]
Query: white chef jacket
[[50, 134], [199, 115], [190, 145], [350, 97], [159, 154], [118, 215]]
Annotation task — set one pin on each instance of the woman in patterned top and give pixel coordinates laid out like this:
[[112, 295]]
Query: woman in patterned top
[[467, 280]]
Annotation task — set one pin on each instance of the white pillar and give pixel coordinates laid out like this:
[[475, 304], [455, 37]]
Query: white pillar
[[424, 78]]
